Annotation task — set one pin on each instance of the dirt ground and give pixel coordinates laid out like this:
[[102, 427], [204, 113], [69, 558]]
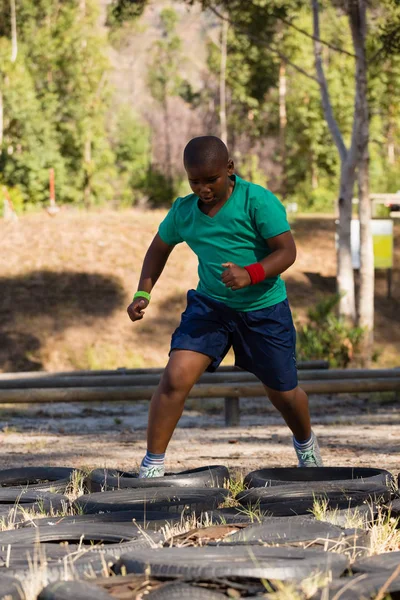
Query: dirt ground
[[65, 283], [359, 430]]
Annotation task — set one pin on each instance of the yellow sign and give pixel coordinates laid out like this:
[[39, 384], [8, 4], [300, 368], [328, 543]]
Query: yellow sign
[[383, 251], [382, 236]]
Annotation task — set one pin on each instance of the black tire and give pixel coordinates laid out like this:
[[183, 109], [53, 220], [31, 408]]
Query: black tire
[[28, 496], [19, 557], [76, 590], [388, 561], [106, 479], [289, 500], [208, 563], [285, 476], [394, 509], [10, 588], [111, 533], [228, 516], [358, 516], [147, 520], [183, 591], [47, 504], [174, 500], [38, 476], [282, 531], [359, 587]]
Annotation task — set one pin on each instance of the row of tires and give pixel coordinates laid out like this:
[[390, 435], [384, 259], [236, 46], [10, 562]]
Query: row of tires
[[285, 492], [244, 567], [46, 478], [121, 527]]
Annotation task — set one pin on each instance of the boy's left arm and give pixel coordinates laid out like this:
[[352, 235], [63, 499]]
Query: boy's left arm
[[283, 255]]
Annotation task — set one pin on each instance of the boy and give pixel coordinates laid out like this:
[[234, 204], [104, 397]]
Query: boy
[[243, 242]]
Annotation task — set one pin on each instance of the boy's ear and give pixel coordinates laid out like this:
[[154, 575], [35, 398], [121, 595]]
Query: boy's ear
[[231, 167]]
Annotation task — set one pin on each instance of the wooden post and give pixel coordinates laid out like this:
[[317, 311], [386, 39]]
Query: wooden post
[[389, 282], [232, 412]]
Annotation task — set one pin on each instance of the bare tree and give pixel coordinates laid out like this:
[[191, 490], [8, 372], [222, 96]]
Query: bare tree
[[222, 81], [358, 23], [356, 156]]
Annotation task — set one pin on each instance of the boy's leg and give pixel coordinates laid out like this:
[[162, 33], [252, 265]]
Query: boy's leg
[[181, 373], [293, 406]]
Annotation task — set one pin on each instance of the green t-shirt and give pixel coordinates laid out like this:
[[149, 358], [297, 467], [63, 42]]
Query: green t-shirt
[[238, 234]]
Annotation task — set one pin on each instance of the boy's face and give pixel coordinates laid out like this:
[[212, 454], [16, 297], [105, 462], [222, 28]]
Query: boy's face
[[211, 182]]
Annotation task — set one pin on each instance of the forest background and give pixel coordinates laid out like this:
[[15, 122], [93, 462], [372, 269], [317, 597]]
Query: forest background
[[110, 104], [108, 97]]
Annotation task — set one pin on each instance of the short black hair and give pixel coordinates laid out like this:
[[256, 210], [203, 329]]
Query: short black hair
[[204, 150]]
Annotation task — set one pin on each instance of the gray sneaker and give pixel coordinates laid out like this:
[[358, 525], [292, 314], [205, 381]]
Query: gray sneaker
[[152, 471], [310, 457]]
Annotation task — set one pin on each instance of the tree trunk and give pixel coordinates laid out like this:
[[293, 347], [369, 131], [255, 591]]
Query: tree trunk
[[168, 157], [345, 275], [282, 123], [1, 121], [314, 171], [14, 45], [222, 82], [88, 170], [357, 16], [391, 118]]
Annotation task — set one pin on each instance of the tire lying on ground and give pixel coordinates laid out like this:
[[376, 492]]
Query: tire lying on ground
[[30, 496], [76, 590], [284, 476], [394, 509], [360, 587], [229, 515], [183, 591], [87, 533], [297, 499], [44, 478], [389, 561], [107, 479], [174, 500], [358, 516], [280, 530], [208, 563], [10, 588], [145, 519], [17, 559]]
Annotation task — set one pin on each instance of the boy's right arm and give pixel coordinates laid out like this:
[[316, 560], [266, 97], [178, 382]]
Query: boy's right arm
[[153, 265]]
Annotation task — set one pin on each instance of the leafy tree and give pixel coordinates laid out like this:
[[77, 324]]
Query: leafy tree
[[62, 57]]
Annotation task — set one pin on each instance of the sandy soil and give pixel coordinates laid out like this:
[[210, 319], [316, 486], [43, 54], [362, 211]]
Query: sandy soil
[[353, 431], [66, 282]]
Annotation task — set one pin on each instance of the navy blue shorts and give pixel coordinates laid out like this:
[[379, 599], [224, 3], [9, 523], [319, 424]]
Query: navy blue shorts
[[264, 341]]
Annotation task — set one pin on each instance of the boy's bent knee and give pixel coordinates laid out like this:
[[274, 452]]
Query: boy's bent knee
[[177, 379], [284, 397]]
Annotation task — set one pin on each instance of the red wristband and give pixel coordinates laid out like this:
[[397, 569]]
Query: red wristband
[[256, 272]]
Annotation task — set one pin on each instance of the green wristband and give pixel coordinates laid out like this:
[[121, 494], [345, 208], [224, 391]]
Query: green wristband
[[142, 295]]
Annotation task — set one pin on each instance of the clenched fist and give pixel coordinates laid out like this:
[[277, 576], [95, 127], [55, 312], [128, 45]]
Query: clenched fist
[[136, 309], [235, 277]]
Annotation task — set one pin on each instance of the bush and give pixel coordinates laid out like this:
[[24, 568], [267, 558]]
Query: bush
[[322, 199], [158, 189], [328, 337]]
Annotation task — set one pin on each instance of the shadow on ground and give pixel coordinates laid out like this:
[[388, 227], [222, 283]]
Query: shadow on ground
[[43, 303]]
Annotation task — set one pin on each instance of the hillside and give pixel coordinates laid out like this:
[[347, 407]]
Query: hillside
[[66, 282]]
